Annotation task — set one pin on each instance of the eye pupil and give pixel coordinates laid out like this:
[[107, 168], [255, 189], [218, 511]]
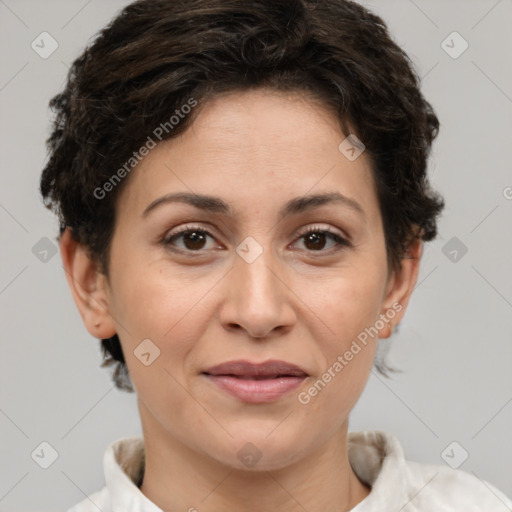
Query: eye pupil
[[315, 241], [194, 240]]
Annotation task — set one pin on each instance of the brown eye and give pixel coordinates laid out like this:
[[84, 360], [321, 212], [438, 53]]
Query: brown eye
[[315, 241], [191, 239], [322, 240], [194, 240]]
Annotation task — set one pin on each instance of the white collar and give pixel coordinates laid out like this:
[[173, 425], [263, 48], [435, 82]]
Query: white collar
[[376, 457]]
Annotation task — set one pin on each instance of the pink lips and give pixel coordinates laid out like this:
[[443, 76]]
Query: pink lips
[[256, 382]]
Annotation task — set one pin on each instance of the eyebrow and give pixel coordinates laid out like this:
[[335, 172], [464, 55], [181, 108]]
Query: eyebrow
[[293, 207]]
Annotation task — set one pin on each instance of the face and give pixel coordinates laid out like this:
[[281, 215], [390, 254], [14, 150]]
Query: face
[[269, 247]]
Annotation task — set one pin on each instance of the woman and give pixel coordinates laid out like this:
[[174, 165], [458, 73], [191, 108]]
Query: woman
[[243, 200]]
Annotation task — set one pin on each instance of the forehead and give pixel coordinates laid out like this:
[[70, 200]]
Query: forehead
[[254, 124], [253, 148]]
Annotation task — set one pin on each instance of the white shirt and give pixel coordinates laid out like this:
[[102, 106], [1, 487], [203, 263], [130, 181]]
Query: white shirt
[[397, 485]]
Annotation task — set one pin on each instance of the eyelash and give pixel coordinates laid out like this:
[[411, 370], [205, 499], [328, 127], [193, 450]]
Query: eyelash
[[340, 241]]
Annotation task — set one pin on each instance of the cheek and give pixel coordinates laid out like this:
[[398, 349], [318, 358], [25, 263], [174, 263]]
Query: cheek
[[348, 352], [350, 306], [350, 301], [170, 314], [171, 310], [150, 298]]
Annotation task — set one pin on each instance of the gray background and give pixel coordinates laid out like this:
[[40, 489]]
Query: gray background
[[454, 344]]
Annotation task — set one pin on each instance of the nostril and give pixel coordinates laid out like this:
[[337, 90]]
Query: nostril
[[234, 327]]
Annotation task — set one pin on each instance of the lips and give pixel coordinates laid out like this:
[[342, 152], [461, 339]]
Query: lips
[[256, 382], [257, 371]]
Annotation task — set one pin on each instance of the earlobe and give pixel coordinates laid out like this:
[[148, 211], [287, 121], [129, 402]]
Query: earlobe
[[88, 287], [401, 285]]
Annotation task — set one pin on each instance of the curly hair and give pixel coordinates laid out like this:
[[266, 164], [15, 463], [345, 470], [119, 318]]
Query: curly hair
[[157, 54]]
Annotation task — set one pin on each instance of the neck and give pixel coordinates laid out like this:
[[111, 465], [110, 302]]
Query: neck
[[178, 478]]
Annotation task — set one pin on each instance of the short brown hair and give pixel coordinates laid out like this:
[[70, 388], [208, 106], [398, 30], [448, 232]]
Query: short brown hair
[[157, 54]]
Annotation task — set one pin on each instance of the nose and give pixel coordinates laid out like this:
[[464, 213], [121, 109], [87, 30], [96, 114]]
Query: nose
[[257, 299]]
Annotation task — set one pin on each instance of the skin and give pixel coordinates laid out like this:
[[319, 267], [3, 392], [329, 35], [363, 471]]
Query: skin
[[296, 302]]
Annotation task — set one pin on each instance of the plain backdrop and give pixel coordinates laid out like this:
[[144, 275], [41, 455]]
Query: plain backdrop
[[453, 398]]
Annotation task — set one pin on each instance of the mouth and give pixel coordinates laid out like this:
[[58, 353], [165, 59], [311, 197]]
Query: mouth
[[256, 382]]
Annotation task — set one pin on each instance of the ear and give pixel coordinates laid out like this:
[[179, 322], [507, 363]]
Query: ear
[[399, 288], [88, 287]]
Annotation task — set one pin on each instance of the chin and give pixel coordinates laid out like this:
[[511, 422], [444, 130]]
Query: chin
[[262, 452]]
